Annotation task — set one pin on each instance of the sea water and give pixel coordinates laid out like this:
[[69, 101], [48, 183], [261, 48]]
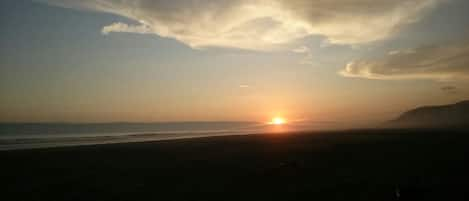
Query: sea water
[[41, 135]]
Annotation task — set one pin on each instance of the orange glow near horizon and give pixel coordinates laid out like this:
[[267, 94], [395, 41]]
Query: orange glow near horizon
[[277, 121]]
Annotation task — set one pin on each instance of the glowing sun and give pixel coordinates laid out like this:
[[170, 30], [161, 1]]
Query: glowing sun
[[278, 121]]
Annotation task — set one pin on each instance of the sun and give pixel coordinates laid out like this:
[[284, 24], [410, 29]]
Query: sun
[[278, 121]]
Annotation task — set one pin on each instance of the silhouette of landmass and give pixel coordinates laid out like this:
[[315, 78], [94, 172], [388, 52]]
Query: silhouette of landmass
[[452, 115]]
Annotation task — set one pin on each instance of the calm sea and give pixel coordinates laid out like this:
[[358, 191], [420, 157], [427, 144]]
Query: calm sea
[[40, 135]]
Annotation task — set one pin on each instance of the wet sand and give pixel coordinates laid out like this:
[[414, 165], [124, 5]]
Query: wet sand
[[340, 165]]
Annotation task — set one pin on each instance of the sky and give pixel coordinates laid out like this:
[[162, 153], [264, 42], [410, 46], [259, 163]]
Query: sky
[[229, 60]]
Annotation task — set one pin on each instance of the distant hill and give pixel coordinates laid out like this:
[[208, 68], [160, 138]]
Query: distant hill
[[453, 115]]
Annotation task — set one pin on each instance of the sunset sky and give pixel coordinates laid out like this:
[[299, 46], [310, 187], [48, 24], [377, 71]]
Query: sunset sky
[[229, 60]]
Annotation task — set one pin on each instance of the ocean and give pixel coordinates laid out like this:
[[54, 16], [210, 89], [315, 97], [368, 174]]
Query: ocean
[[42, 135]]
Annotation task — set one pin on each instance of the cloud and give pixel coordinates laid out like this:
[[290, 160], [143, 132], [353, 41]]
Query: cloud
[[302, 49], [406, 51], [308, 54], [449, 89], [259, 24], [438, 62], [122, 27]]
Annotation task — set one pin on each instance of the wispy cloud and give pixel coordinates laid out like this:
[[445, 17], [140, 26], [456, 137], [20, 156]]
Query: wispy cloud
[[259, 24], [308, 54], [449, 89], [437, 62], [122, 27], [302, 49]]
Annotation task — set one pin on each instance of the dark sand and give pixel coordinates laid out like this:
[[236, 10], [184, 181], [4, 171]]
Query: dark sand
[[348, 165]]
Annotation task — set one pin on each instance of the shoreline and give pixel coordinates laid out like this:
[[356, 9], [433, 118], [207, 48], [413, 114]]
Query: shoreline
[[77, 141], [104, 140], [61, 141]]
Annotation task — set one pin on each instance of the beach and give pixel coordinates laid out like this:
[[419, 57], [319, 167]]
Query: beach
[[369, 164]]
